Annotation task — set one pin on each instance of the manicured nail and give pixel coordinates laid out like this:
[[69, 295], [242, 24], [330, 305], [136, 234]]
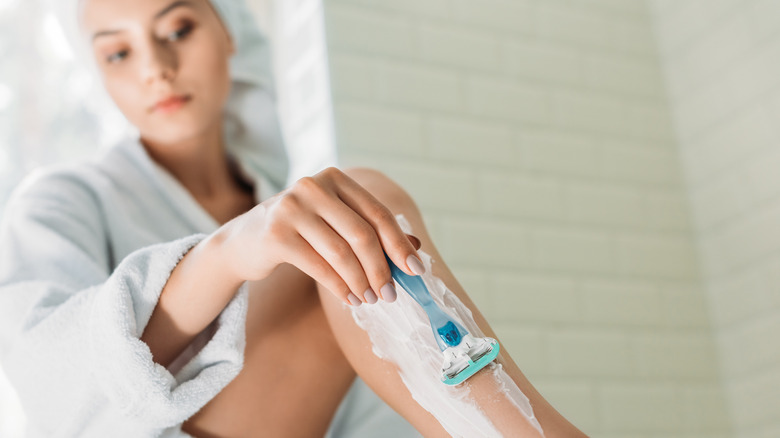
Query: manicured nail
[[414, 241], [415, 265], [388, 292], [354, 299], [370, 296]]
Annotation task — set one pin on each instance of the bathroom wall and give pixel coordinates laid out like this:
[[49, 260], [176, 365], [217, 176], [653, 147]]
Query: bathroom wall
[[537, 138], [300, 64], [722, 64]]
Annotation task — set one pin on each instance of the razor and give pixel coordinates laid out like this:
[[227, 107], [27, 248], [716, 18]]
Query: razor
[[463, 354]]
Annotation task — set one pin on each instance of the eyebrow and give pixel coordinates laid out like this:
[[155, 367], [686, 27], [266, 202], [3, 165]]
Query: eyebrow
[[157, 16]]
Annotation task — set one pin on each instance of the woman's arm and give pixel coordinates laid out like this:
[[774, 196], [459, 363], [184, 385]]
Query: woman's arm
[[326, 225], [199, 288], [70, 320]]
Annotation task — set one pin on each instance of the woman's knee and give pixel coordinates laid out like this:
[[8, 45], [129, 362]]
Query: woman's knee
[[384, 188]]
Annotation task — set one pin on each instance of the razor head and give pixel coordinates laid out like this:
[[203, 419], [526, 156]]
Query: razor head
[[466, 359]]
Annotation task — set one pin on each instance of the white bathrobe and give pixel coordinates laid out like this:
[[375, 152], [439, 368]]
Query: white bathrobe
[[85, 250]]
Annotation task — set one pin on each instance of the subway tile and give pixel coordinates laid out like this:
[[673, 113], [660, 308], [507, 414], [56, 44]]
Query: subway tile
[[543, 61], [505, 16], [460, 48], [679, 355], [605, 205], [364, 30], [532, 298], [659, 256], [373, 128], [417, 85], [469, 141], [640, 406], [589, 353], [508, 100], [480, 242], [571, 250], [509, 195], [621, 303]]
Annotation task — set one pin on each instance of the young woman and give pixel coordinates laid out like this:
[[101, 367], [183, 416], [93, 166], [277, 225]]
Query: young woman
[[174, 286]]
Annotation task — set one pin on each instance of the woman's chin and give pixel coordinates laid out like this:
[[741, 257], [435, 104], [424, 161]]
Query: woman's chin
[[177, 129], [172, 135]]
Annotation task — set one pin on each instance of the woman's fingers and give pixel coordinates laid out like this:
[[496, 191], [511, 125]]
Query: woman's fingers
[[370, 278], [302, 255], [348, 230], [358, 233], [415, 241], [340, 253], [363, 240], [394, 241]]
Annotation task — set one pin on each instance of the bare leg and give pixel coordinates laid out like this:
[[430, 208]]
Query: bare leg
[[291, 320], [382, 376]]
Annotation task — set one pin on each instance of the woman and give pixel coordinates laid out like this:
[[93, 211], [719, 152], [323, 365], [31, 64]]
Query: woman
[[172, 287]]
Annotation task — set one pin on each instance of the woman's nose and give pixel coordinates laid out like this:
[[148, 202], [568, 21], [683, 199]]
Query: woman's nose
[[161, 64]]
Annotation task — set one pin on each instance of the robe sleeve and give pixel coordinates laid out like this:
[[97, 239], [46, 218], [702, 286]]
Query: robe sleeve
[[70, 325]]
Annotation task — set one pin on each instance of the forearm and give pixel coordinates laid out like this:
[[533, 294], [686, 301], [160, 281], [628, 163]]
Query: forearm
[[199, 288]]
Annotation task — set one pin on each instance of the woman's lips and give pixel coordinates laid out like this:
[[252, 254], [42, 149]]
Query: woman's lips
[[171, 104]]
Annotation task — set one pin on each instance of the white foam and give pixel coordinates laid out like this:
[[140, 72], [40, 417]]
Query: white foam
[[401, 333]]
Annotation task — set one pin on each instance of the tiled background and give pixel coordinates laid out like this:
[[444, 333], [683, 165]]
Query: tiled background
[[537, 137], [602, 175], [722, 63]]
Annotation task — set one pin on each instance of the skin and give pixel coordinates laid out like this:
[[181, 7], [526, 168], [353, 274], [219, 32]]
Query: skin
[[322, 240], [143, 60], [340, 227]]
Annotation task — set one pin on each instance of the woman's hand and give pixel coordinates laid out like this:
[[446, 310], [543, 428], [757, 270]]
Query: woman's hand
[[329, 227]]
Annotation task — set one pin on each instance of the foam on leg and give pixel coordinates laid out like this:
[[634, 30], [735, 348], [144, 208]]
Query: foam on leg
[[401, 333]]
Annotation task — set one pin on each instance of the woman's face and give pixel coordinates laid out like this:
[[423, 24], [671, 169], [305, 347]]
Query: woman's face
[[165, 63]]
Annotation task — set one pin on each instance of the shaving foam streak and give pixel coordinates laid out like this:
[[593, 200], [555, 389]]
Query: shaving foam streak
[[400, 333]]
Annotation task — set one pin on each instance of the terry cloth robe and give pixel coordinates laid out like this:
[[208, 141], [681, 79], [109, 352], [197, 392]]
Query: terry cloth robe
[[85, 250]]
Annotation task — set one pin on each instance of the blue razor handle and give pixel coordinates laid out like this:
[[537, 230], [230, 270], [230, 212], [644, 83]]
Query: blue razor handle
[[448, 333]]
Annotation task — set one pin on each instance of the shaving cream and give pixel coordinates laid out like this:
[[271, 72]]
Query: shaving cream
[[401, 334]]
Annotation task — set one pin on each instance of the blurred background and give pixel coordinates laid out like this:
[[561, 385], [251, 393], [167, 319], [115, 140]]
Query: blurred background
[[603, 176]]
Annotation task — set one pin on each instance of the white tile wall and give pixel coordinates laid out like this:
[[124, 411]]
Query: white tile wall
[[300, 64], [722, 63], [540, 138], [537, 137]]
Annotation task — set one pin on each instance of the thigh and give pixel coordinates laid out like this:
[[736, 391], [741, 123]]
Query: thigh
[[294, 373]]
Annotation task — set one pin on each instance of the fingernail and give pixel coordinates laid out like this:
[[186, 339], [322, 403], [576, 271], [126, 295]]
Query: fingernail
[[388, 292], [414, 240], [354, 299], [415, 265], [370, 296]]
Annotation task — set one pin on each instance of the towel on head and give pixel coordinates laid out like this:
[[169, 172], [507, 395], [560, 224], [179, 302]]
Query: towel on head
[[251, 124]]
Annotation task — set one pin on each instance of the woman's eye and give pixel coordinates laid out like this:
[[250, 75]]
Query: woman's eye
[[179, 34], [118, 56]]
